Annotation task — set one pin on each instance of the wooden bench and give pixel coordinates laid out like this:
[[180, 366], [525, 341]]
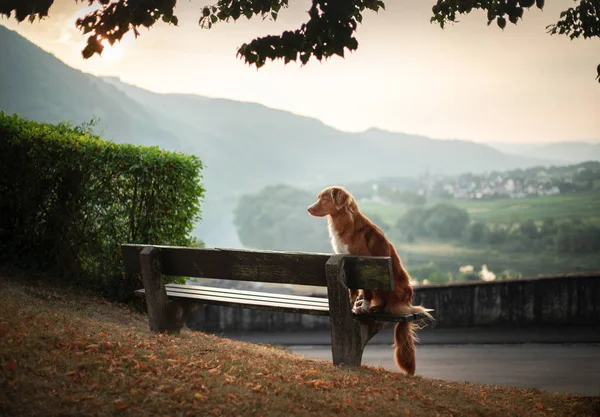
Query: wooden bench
[[168, 305]]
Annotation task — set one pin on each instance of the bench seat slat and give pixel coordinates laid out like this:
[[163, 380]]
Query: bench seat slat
[[243, 297], [194, 288]]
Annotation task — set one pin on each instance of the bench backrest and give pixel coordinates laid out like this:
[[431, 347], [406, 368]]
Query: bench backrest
[[372, 273]]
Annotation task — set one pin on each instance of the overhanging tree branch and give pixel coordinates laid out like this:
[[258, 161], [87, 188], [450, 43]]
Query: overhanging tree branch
[[330, 29]]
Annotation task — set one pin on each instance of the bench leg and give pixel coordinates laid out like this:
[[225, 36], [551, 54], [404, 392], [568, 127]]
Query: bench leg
[[162, 315], [348, 336]]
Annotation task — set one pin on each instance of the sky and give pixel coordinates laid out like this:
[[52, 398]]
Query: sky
[[468, 81]]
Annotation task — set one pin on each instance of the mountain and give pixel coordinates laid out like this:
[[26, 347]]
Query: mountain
[[419, 154], [572, 152], [35, 84], [244, 146]]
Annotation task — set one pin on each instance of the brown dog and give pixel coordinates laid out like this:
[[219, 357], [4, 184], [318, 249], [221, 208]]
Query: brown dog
[[353, 233]]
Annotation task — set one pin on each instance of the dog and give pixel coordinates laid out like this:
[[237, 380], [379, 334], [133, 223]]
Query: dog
[[353, 233]]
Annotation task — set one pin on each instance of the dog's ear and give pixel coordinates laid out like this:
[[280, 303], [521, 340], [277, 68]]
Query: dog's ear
[[339, 197]]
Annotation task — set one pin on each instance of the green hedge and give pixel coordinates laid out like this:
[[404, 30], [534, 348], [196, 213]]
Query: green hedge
[[68, 200]]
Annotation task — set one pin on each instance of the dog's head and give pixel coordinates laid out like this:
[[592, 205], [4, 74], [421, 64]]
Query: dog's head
[[332, 200]]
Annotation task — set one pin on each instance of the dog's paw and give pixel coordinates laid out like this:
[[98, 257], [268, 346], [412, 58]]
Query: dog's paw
[[361, 306]]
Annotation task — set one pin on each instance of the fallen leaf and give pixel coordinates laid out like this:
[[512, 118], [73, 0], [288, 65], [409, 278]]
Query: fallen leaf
[[10, 365], [319, 383], [120, 404], [311, 372]]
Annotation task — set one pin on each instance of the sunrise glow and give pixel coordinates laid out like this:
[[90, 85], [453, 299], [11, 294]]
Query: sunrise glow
[[114, 52]]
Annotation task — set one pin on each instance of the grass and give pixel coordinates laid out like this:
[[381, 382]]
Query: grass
[[65, 353], [585, 206]]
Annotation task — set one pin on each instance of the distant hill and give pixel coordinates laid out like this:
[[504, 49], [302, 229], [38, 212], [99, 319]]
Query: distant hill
[[35, 84], [245, 146], [419, 154], [572, 152]]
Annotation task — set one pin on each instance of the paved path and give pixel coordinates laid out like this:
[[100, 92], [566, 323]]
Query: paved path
[[555, 368], [551, 359]]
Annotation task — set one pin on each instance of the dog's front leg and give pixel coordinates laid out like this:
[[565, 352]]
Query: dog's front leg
[[354, 293]]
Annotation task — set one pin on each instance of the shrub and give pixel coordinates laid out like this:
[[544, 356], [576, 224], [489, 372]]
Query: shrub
[[68, 200], [529, 229], [508, 274], [442, 220], [467, 276], [411, 223], [477, 232], [496, 235], [576, 237], [446, 221]]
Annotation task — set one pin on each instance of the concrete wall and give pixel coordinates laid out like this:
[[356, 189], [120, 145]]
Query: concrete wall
[[562, 300], [565, 300]]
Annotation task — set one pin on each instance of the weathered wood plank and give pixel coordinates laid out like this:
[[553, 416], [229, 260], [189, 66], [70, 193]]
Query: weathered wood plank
[[250, 293], [243, 297], [251, 304], [346, 346], [156, 296], [264, 266]]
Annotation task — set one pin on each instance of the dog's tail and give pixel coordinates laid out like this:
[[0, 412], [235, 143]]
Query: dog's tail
[[405, 337]]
